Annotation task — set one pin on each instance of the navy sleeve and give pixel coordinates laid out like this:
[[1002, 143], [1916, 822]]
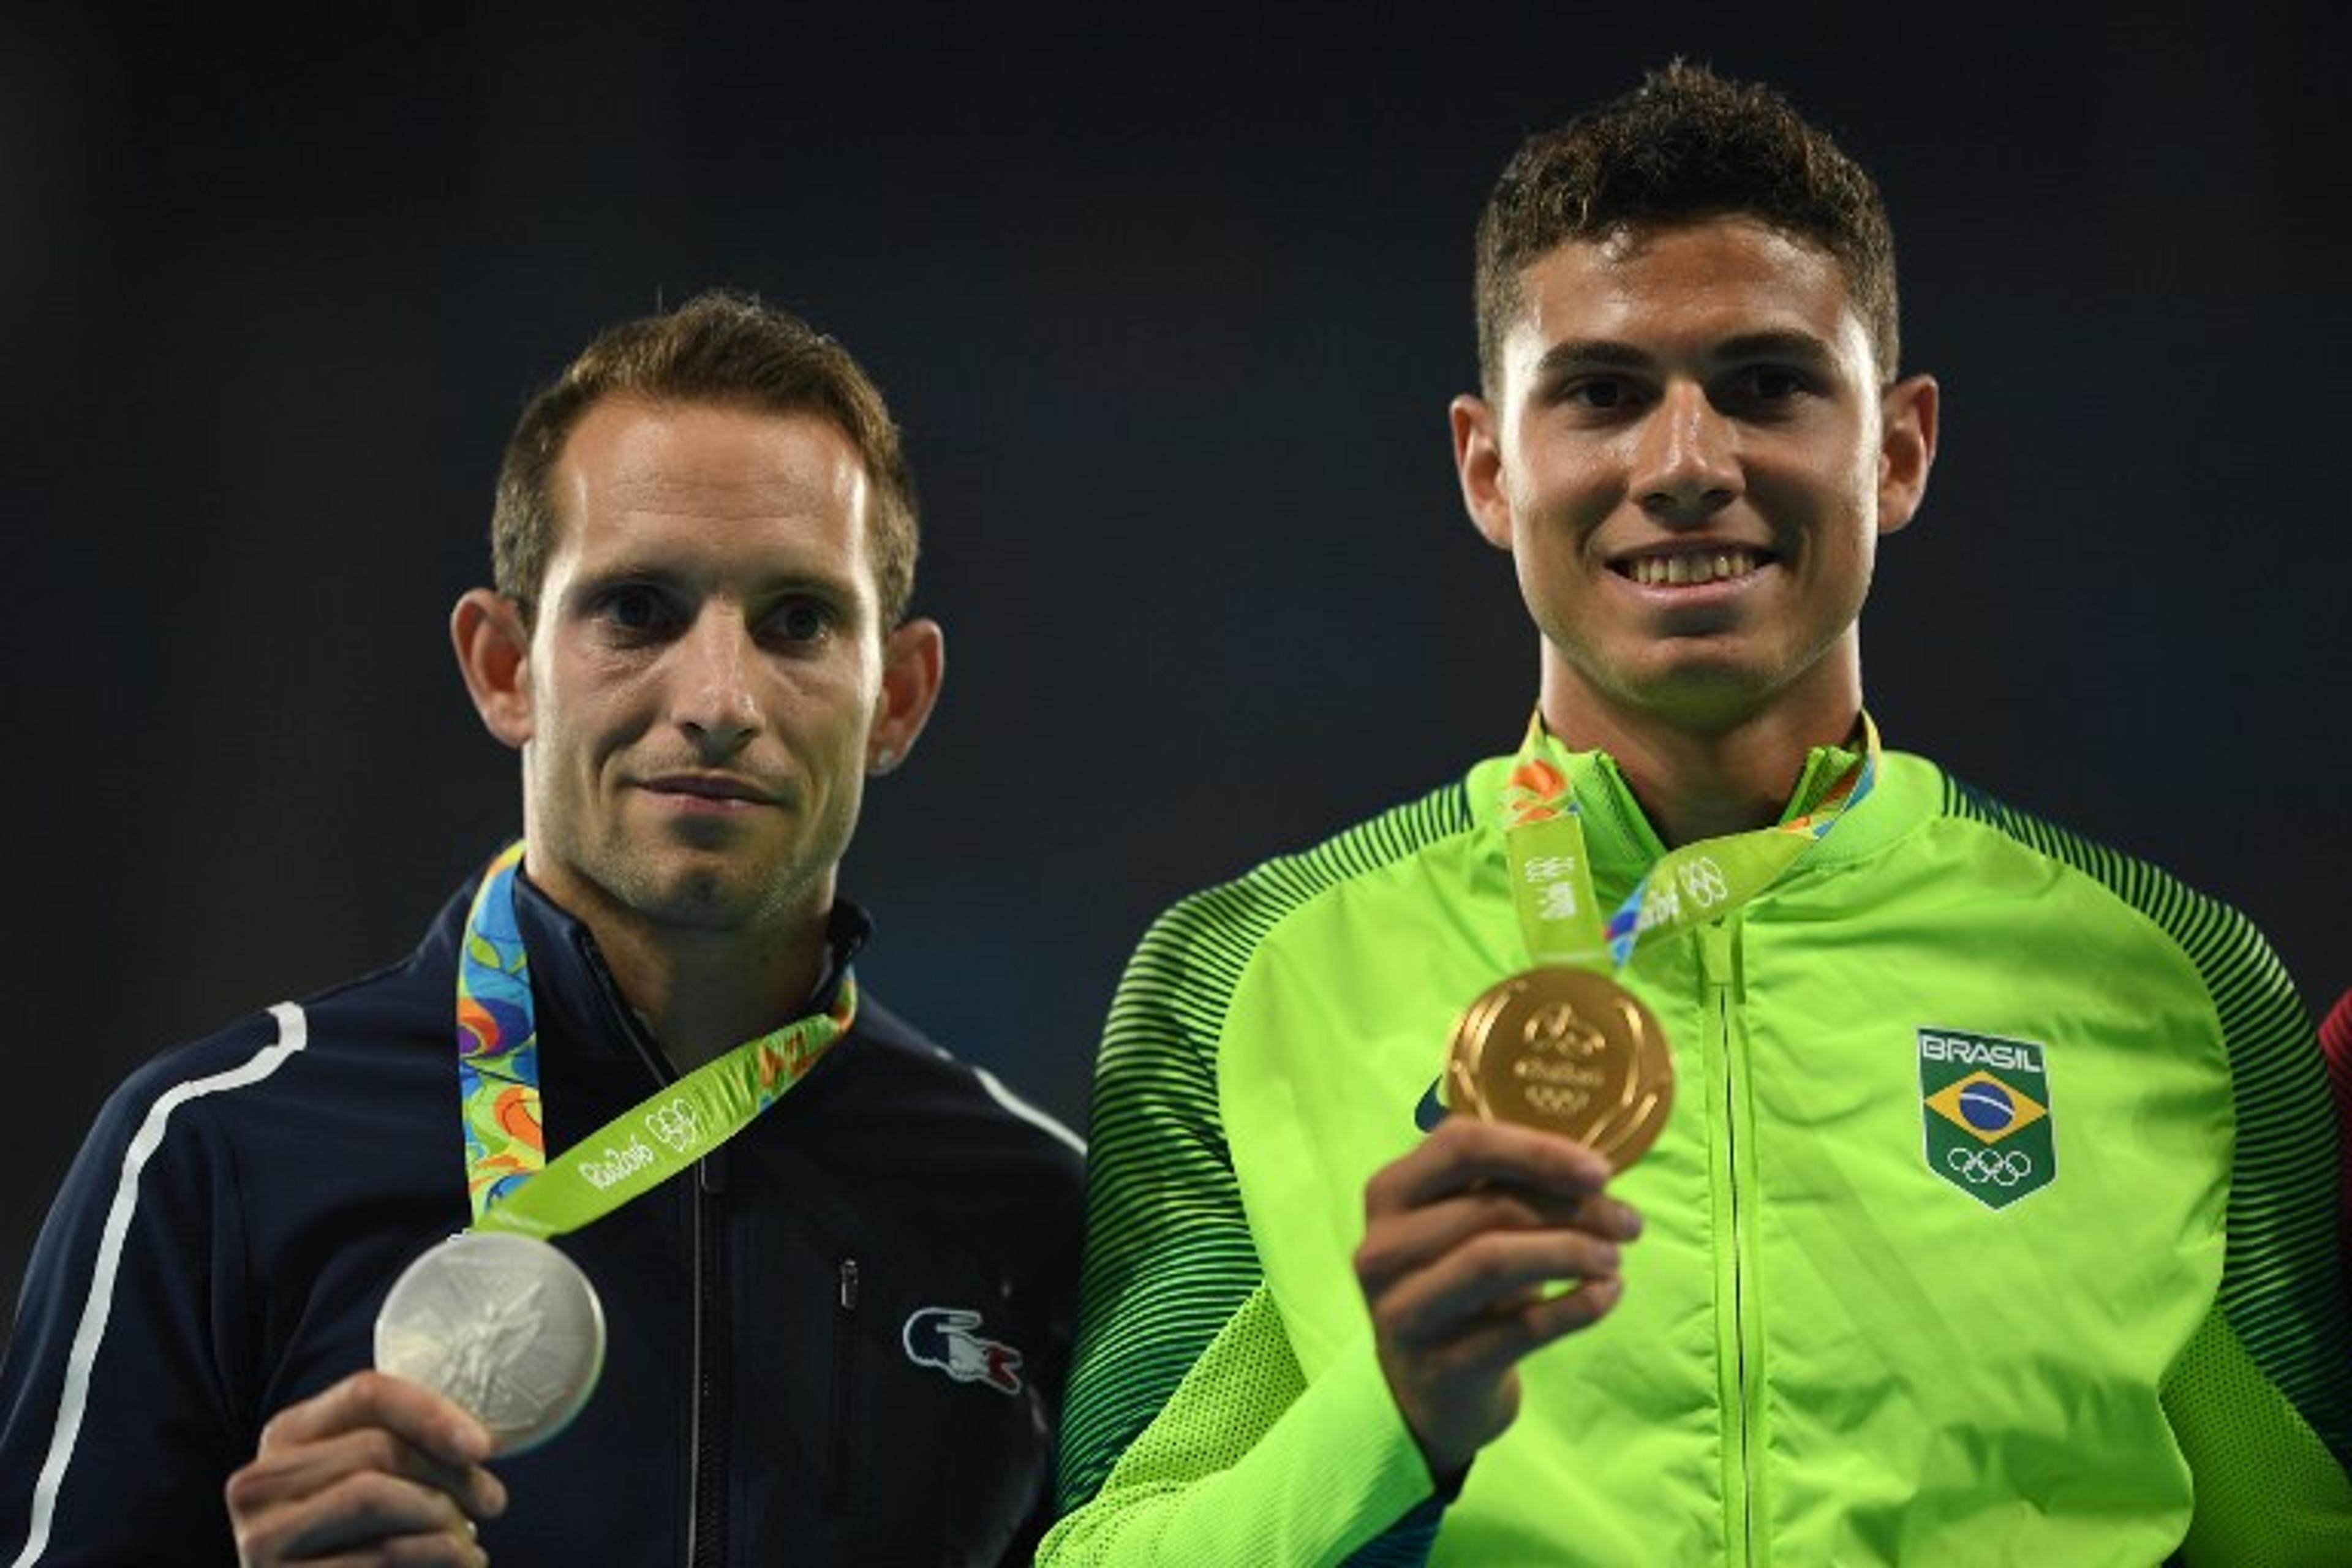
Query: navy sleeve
[[121, 1414]]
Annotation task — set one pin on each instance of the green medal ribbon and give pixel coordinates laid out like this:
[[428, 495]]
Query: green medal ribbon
[[511, 1184], [1551, 877]]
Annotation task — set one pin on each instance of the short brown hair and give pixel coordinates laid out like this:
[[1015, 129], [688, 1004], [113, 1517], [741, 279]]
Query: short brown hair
[[723, 348], [1684, 147]]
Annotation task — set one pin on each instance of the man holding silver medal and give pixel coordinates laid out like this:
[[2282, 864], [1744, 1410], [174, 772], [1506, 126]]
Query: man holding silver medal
[[828, 1272], [1705, 1134]]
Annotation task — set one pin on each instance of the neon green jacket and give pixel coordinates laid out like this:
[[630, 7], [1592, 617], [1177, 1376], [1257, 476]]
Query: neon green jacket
[[1869, 1319]]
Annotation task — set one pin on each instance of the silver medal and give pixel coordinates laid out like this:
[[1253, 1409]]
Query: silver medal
[[504, 1325]]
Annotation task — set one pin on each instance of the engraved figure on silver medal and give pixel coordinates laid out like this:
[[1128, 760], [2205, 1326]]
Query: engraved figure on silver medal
[[504, 1325]]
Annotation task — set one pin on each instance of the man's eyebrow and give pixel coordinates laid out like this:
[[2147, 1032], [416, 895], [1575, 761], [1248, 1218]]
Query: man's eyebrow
[[813, 580], [621, 574], [1774, 344], [1609, 354], [1589, 354]]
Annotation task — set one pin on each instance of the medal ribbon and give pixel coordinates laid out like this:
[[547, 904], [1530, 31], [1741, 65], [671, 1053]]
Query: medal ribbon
[[509, 1178], [1551, 877]]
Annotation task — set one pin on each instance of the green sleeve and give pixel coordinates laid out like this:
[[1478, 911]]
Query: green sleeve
[[1246, 1464], [1189, 1434], [2268, 1492], [2262, 1397]]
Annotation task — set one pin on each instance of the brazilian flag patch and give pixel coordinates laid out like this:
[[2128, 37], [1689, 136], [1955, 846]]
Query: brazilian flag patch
[[1986, 1102]]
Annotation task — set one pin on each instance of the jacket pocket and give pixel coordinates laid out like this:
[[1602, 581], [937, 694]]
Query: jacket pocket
[[840, 1403]]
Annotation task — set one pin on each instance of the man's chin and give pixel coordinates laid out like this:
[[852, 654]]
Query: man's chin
[[1715, 683], [659, 881], [1697, 691], [706, 898], [699, 891]]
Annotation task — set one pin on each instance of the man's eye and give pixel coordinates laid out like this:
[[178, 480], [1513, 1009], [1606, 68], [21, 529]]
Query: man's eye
[[1770, 384], [802, 620], [1597, 393], [631, 609]]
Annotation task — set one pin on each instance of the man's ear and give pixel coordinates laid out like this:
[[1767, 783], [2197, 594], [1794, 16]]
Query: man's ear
[[493, 648], [1479, 464], [914, 662], [1906, 448]]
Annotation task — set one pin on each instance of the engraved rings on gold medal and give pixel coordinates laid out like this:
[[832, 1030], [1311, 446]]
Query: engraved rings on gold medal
[[1569, 1051]]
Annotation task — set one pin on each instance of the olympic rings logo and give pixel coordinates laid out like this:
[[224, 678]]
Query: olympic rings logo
[[1977, 1166], [1703, 879], [674, 1124]]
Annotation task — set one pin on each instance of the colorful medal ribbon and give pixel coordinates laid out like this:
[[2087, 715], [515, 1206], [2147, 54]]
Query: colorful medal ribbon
[[512, 1186], [1551, 879]]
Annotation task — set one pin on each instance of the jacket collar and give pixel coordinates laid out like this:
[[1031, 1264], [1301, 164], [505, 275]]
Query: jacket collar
[[578, 1003], [1623, 845]]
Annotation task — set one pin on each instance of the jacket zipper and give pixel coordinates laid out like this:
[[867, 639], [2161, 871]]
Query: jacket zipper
[[1738, 1349], [705, 1476], [707, 1450], [844, 1355]]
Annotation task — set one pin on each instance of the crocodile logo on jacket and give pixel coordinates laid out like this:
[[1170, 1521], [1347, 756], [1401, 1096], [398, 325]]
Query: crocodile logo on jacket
[[943, 1337]]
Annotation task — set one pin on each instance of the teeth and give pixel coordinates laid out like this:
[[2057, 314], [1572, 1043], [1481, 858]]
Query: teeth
[[1679, 571]]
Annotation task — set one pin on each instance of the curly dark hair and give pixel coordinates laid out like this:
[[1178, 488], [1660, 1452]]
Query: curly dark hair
[[1684, 146], [723, 347]]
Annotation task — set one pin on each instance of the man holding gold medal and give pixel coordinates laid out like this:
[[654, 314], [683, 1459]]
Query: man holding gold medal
[[814, 1291], [1705, 1134]]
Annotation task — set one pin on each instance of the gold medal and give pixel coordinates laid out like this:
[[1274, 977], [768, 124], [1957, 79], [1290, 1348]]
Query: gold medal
[[1567, 1050]]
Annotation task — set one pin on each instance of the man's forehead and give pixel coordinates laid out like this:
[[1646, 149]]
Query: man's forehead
[[631, 452], [1631, 237], [690, 489], [1718, 255], [628, 462], [1725, 277]]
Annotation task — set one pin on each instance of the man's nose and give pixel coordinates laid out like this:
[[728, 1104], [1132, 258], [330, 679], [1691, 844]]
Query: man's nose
[[712, 694], [1685, 464]]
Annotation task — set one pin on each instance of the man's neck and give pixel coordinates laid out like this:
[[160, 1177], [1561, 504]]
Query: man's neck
[[1700, 781], [701, 994]]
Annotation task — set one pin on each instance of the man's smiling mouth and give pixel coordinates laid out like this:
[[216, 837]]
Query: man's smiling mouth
[[1691, 568]]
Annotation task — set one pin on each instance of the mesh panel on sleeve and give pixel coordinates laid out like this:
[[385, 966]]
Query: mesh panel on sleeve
[[2233, 1422]]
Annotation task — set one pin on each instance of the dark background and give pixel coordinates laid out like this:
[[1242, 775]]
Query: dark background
[[1170, 304]]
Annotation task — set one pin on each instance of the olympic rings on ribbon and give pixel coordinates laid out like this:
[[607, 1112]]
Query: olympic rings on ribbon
[[675, 1124]]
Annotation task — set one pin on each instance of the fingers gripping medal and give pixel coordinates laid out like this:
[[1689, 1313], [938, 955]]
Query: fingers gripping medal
[[1569, 1051], [503, 1325]]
